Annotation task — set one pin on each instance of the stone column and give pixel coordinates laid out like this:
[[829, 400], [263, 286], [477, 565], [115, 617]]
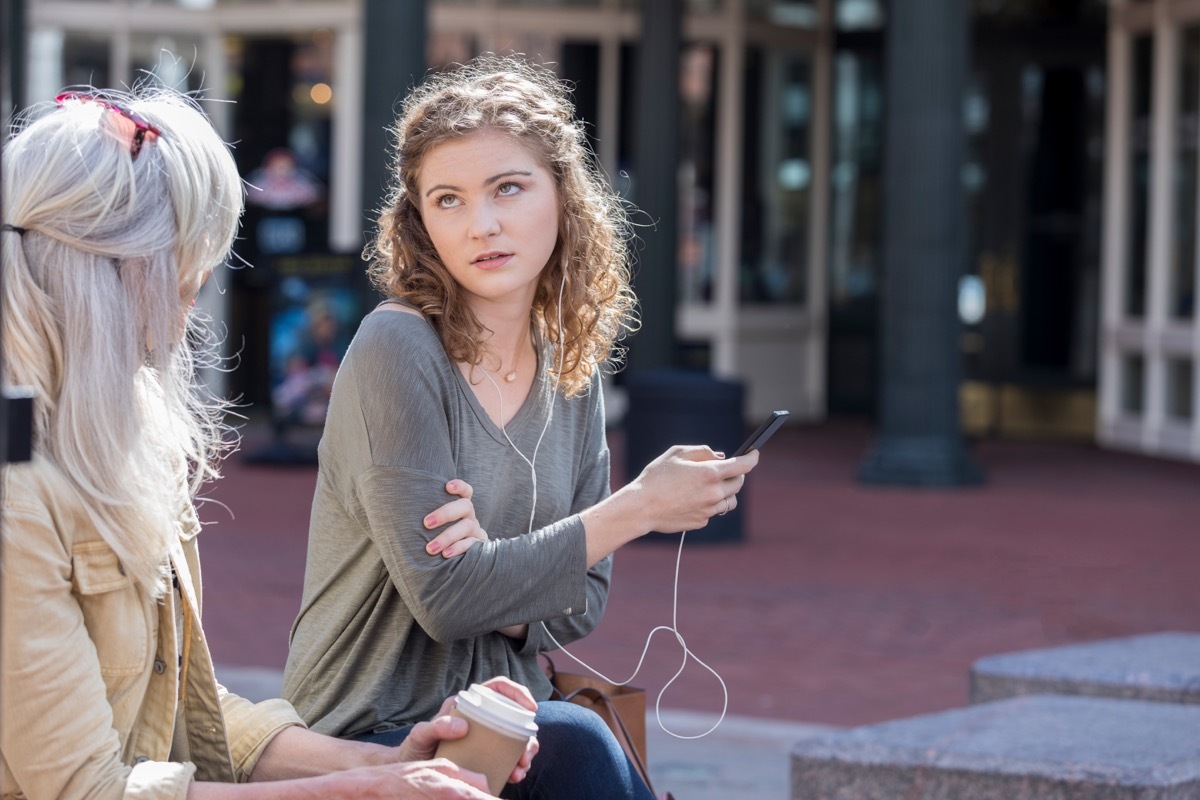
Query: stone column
[[655, 189], [919, 441], [14, 59], [394, 38], [16, 402], [666, 405]]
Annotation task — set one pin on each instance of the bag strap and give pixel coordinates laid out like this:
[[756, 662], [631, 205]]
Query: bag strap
[[597, 696], [550, 671]]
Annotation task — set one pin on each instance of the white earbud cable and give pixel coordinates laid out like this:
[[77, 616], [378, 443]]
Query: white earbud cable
[[674, 626], [687, 653]]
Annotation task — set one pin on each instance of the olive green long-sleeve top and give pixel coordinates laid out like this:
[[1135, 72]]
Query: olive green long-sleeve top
[[386, 631]]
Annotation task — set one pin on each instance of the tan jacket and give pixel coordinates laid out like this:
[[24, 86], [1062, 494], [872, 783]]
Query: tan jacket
[[90, 672]]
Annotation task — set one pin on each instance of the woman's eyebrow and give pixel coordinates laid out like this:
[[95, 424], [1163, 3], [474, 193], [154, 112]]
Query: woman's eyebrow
[[439, 187], [488, 182], [508, 174]]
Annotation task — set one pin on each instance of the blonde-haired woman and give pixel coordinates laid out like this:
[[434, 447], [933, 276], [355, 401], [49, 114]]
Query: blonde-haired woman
[[503, 255], [116, 210]]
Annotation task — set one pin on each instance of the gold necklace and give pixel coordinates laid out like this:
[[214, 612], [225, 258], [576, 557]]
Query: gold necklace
[[511, 375]]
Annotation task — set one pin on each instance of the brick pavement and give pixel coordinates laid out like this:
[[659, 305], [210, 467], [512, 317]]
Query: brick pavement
[[844, 604]]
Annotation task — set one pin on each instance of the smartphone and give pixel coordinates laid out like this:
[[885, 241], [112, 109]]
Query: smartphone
[[764, 432]]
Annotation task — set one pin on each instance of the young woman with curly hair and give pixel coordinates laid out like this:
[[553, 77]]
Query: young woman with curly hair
[[503, 254]]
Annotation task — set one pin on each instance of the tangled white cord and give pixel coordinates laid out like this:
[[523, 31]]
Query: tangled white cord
[[687, 653], [673, 627]]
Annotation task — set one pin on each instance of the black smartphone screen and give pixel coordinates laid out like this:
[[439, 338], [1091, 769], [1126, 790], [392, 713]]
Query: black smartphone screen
[[764, 432]]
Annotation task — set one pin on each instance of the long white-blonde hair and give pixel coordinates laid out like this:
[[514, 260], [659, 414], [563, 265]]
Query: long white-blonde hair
[[96, 295]]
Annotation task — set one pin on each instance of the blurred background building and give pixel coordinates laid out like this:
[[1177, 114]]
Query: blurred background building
[[1077, 295]]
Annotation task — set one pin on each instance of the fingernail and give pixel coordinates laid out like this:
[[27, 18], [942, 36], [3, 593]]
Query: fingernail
[[453, 486], [720, 454], [430, 521], [433, 547]]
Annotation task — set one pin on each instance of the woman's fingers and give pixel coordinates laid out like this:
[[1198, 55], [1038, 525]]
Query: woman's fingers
[[512, 690], [522, 769], [727, 504], [422, 742], [694, 452], [463, 531], [457, 539], [454, 510], [521, 695], [691, 484]]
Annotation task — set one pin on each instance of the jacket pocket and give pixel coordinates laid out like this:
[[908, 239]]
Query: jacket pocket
[[112, 609]]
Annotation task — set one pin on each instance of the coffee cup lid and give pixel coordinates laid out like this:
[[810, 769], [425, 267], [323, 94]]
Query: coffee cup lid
[[496, 711]]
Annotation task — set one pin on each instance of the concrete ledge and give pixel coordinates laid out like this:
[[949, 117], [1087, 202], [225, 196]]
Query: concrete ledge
[[253, 683], [1039, 747], [1161, 666]]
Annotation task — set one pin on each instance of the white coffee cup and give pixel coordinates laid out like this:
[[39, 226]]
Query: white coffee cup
[[500, 730]]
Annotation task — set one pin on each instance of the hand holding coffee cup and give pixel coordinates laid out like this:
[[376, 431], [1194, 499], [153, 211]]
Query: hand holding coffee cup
[[499, 732]]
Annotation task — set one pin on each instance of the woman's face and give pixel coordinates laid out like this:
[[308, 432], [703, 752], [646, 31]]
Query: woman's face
[[491, 209]]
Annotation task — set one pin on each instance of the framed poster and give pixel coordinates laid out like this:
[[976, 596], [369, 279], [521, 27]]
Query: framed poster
[[316, 308]]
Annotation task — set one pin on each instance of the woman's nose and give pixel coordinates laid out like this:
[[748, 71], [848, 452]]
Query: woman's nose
[[485, 222]]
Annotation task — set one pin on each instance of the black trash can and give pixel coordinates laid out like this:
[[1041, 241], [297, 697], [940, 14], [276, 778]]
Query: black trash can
[[668, 407]]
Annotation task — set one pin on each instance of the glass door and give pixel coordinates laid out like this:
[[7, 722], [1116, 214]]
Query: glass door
[[1151, 342], [280, 79]]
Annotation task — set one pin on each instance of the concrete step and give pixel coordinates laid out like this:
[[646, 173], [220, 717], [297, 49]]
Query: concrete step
[[1037, 747], [1158, 666]]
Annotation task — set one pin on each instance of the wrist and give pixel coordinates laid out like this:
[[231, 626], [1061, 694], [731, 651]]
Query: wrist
[[630, 512], [370, 754], [617, 519]]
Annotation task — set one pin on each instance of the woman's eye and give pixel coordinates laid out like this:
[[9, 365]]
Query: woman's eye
[[506, 189], [447, 201]]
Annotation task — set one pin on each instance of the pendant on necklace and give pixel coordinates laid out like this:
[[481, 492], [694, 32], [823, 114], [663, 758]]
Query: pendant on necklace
[[510, 377]]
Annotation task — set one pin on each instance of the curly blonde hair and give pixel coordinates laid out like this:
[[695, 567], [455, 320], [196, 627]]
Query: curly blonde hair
[[533, 106]]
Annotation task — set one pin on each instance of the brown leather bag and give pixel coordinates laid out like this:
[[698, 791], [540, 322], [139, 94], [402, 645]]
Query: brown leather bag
[[623, 709]]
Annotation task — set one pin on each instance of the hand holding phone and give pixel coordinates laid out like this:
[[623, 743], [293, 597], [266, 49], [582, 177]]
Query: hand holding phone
[[764, 432]]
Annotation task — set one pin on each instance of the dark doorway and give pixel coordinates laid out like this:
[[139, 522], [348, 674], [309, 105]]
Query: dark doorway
[[281, 131], [1034, 117], [856, 209], [1036, 126]]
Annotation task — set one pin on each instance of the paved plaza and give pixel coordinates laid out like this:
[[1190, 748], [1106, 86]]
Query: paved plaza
[[841, 605]]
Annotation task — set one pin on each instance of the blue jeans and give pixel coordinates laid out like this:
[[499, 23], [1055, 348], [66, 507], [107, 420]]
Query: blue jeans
[[578, 758]]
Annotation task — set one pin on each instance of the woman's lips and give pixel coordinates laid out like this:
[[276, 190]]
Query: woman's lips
[[492, 260]]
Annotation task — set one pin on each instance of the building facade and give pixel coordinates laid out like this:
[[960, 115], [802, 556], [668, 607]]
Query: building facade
[[1077, 301], [1149, 382]]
